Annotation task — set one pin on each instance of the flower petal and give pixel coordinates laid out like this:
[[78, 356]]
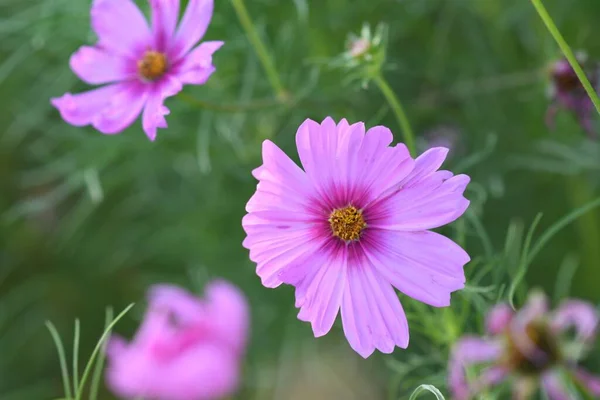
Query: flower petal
[[155, 110], [165, 14], [423, 265], [122, 110], [345, 164], [197, 67], [468, 351], [372, 315], [578, 314], [229, 313], [554, 386], [81, 109], [94, 65], [431, 202], [193, 26], [499, 318], [323, 292], [591, 382], [121, 27]]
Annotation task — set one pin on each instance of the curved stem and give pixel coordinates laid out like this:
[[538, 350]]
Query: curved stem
[[260, 49], [398, 110], [230, 108], [541, 10]]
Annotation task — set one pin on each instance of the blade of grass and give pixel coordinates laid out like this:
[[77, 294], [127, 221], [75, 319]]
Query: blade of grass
[[61, 357], [76, 356], [100, 364], [90, 362]]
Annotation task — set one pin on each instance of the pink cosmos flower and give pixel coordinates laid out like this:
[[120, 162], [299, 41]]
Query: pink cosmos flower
[[530, 348], [141, 65], [352, 226], [186, 348]]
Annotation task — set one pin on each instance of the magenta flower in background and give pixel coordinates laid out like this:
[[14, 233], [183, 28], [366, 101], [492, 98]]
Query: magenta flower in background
[[568, 93], [530, 348], [186, 348], [352, 226], [141, 65]]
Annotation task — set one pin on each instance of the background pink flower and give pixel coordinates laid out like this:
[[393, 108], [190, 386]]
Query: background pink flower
[[352, 226], [142, 65], [186, 348]]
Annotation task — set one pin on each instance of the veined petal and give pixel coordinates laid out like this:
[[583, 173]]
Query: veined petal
[[193, 26], [423, 265], [94, 65], [120, 26], [81, 109], [431, 202], [122, 110], [165, 14], [372, 315], [196, 67]]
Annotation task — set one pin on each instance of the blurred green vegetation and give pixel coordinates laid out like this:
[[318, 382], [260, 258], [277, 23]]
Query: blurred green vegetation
[[89, 221]]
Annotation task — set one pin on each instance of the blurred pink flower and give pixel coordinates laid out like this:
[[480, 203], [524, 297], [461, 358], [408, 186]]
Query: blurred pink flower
[[352, 226], [568, 93], [530, 348], [186, 348], [142, 65]]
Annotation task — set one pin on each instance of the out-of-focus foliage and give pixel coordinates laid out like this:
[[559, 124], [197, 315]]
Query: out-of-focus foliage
[[89, 221]]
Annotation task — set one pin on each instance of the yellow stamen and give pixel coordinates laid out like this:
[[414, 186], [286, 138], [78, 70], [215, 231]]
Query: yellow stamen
[[347, 223], [153, 65]]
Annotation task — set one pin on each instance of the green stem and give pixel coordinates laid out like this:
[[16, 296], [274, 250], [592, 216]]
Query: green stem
[[229, 108], [260, 49], [409, 138], [541, 10]]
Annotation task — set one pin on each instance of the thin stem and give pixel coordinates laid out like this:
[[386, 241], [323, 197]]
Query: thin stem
[[260, 49], [229, 108], [541, 10], [409, 138]]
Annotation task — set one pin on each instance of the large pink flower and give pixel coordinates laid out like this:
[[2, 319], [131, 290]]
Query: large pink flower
[[186, 348], [142, 65], [353, 225]]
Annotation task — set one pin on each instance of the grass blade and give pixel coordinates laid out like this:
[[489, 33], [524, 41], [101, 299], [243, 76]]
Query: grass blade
[[76, 356], [429, 388], [100, 364], [61, 357]]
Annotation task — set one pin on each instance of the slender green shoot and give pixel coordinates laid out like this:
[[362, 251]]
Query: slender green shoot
[[62, 359], [96, 376], [76, 356]]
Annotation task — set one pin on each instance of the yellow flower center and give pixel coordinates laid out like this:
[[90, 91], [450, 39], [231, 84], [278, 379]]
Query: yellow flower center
[[153, 65], [347, 223]]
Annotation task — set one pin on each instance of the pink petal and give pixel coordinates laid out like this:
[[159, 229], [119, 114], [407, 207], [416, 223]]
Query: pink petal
[[184, 306], [426, 164], [423, 265], [196, 67], [165, 14], [469, 351], [229, 314], [155, 110], [121, 27], [193, 26], [534, 309], [345, 164], [94, 65], [553, 385], [122, 109], [204, 372], [590, 382], [372, 315], [499, 318], [578, 314], [322, 293], [429, 203], [81, 109]]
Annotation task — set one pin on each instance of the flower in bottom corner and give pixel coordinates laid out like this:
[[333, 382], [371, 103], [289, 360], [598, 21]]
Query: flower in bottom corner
[[531, 348], [354, 225], [140, 65], [185, 349]]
